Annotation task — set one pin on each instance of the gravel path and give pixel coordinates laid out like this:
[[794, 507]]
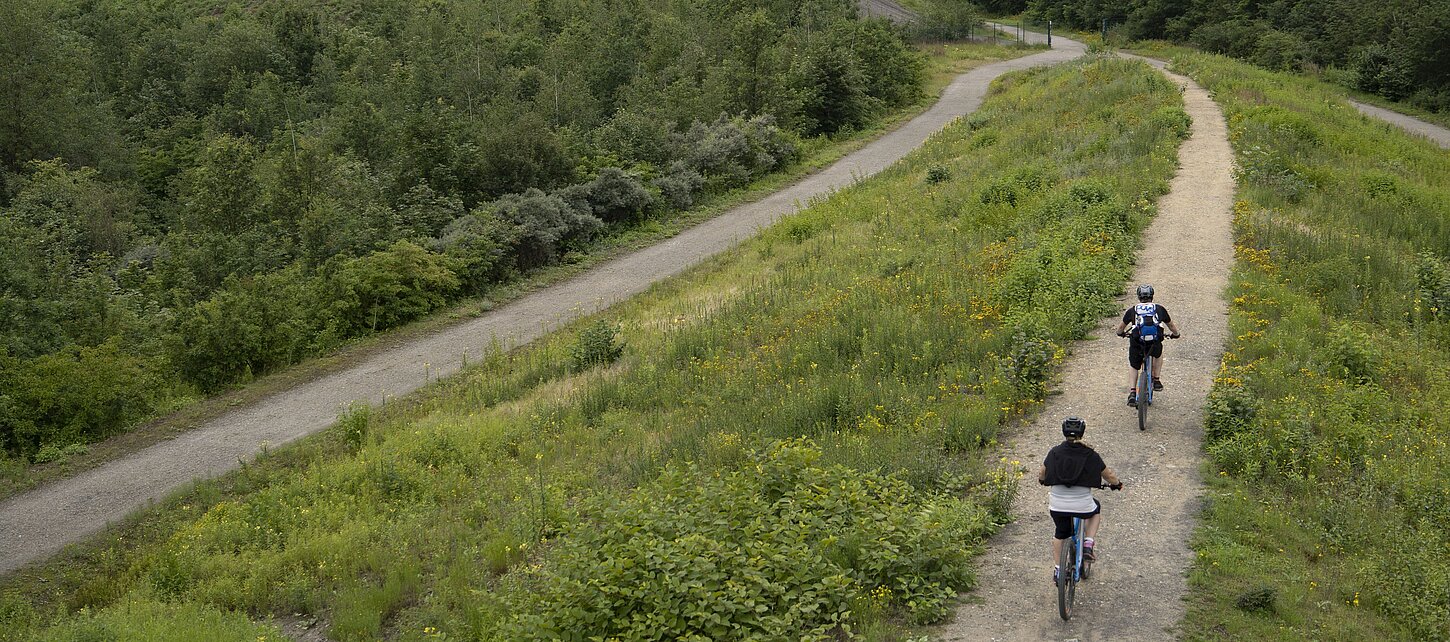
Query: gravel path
[[1138, 584], [887, 9], [1439, 135], [40, 522]]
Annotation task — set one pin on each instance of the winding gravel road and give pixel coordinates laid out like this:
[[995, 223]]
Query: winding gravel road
[[1437, 134], [39, 523], [1138, 585]]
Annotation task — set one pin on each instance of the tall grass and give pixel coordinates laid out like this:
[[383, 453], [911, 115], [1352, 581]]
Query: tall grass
[[877, 340], [1327, 432]]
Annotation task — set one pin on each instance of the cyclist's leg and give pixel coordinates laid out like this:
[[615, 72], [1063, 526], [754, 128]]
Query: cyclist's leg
[[1091, 521], [1157, 352], [1090, 525], [1135, 361], [1061, 530]]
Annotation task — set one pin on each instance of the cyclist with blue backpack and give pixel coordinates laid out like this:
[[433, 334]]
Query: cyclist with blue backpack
[[1144, 322]]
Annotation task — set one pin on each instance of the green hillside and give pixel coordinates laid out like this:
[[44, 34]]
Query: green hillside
[[790, 440], [1327, 434], [198, 193]]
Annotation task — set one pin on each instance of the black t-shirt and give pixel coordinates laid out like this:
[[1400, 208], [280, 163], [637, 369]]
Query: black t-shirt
[[1073, 464]]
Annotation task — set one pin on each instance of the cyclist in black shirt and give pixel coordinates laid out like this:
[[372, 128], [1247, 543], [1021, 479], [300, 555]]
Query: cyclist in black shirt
[[1073, 469], [1138, 320]]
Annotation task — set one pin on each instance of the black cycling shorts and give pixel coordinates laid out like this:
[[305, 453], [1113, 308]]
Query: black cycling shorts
[[1135, 352], [1063, 521]]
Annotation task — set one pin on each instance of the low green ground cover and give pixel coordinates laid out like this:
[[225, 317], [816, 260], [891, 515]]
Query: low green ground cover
[[787, 441], [1327, 434]]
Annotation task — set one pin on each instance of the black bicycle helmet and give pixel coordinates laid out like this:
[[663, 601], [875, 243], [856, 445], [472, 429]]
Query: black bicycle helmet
[[1073, 427], [1145, 293]]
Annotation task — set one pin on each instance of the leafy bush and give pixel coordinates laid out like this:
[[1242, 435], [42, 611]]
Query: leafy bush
[[546, 225], [730, 152], [1175, 119], [779, 550], [637, 136], [937, 174], [1350, 354], [1029, 360], [597, 344], [1381, 70], [248, 328], [77, 395], [947, 20], [480, 245], [613, 196], [385, 289], [832, 88], [678, 186]]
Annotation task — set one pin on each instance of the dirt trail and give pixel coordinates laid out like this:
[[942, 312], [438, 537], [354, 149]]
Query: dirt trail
[[1137, 589], [40, 522], [1437, 134], [887, 9]]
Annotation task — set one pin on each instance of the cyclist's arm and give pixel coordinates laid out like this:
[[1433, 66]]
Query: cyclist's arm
[[1172, 327], [1110, 476]]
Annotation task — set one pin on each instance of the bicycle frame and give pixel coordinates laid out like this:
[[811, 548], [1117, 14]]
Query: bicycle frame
[[1145, 389], [1074, 569]]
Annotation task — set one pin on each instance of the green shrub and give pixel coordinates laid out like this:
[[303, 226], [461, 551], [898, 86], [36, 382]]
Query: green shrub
[[48, 453], [597, 344], [384, 289], [1174, 119], [937, 174], [77, 395], [1350, 354], [247, 328], [1029, 361], [1230, 411], [155, 621], [778, 550], [354, 426], [1259, 599]]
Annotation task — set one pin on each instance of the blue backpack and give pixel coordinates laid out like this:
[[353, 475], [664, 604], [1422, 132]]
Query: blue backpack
[[1146, 320]]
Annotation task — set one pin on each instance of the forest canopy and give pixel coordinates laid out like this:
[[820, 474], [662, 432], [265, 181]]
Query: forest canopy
[[199, 192], [1399, 49]]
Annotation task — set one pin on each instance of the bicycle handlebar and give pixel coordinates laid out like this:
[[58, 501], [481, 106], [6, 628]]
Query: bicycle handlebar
[[1129, 331]]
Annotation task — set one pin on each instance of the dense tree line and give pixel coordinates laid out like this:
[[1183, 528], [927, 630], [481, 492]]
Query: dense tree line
[[196, 193], [1399, 49]]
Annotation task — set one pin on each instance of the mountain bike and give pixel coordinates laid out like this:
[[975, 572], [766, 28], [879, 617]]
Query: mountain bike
[[1145, 374], [1074, 568]]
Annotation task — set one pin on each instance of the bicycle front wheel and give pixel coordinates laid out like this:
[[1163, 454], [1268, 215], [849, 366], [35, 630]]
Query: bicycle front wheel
[[1145, 392], [1066, 580]]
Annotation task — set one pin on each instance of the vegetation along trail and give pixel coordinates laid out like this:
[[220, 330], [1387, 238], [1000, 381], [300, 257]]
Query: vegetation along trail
[[1137, 586], [39, 523], [1436, 133]]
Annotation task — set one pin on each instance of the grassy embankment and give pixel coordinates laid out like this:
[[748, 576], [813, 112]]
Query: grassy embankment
[[1328, 437], [730, 468], [945, 61]]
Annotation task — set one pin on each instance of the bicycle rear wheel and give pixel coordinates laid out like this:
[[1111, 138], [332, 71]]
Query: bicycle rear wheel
[[1145, 392], [1066, 580]]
